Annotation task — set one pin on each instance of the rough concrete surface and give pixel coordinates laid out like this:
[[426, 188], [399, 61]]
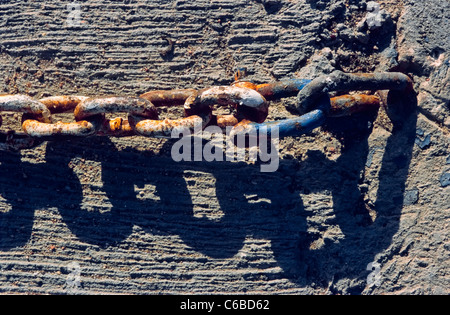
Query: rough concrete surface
[[358, 206]]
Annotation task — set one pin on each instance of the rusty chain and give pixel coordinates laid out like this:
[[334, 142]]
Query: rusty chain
[[249, 104]]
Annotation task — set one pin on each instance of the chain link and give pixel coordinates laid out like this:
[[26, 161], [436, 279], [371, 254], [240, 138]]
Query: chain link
[[248, 103]]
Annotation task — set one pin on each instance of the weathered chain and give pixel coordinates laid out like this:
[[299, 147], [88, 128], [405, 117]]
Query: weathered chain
[[249, 103]]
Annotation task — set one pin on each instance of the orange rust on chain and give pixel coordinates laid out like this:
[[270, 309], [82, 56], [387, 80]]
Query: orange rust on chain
[[396, 77], [38, 129], [167, 127], [25, 104], [168, 97], [100, 106], [63, 103], [275, 90], [94, 124], [246, 84], [341, 105], [221, 97], [92, 109], [224, 121], [346, 105], [117, 127], [339, 81], [364, 75], [164, 128], [59, 104], [251, 85], [248, 103]]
